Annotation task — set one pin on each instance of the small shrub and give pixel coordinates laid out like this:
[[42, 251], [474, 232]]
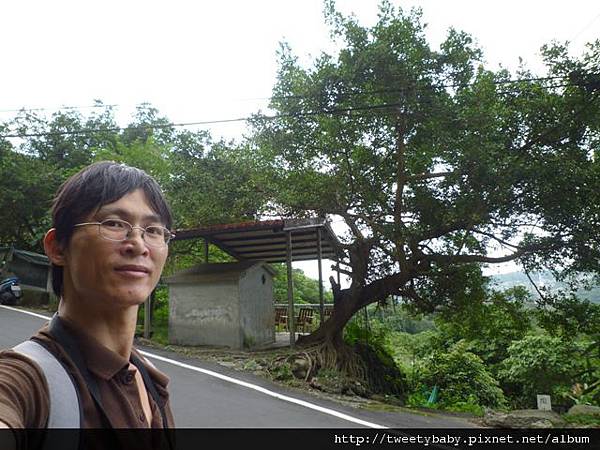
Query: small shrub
[[282, 371], [583, 419], [540, 364], [462, 379], [418, 398], [373, 344], [252, 365]]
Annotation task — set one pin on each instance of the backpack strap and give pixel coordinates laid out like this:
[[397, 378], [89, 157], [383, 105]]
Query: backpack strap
[[64, 409], [64, 403]]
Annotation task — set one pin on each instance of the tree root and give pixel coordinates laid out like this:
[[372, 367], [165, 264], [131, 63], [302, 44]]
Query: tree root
[[360, 370], [307, 362]]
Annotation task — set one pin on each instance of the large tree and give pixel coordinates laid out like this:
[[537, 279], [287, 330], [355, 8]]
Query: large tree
[[433, 162]]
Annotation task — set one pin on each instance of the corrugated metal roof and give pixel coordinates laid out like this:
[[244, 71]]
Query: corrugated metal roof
[[266, 240], [223, 270], [33, 258]]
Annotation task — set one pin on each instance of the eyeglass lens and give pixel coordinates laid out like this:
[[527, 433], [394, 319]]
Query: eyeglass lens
[[119, 230]]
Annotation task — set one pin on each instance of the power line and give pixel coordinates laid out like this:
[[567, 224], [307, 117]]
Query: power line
[[207, 122], [414, 86], [584, 28], [331, 111]]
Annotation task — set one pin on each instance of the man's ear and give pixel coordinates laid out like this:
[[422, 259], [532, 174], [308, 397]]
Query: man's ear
[[53, 249]]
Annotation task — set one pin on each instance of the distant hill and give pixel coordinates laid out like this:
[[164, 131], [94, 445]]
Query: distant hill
[[541, 279]]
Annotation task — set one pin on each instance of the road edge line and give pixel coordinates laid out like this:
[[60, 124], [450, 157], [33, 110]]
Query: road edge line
[[229, 379]]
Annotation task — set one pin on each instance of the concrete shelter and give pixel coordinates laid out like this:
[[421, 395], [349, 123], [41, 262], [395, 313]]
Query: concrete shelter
[[225, 304], [283, 240]]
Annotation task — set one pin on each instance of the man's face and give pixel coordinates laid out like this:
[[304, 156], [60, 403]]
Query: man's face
[[107, 274]]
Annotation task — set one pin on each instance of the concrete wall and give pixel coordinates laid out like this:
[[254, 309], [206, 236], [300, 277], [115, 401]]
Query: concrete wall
[[256, 306], [205, 314]]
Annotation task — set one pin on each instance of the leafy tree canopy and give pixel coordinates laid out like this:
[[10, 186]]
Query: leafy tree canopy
[[432, 160], [201, 178]]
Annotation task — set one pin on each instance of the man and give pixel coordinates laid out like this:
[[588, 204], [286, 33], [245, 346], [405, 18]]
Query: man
[[107, 247]]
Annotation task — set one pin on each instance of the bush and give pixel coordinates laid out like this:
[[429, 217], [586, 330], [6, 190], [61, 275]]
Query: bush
[[463, 380], [540, 364], [490, 326], [373, 346]]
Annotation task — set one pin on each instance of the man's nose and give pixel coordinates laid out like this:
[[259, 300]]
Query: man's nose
[[142, 232], [137, 239]]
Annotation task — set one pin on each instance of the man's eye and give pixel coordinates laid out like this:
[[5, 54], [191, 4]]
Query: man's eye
[[113, 224], [155, 230]]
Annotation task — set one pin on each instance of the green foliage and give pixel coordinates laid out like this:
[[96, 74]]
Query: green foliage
[[146, 155], [570, 316], [586, 420], [540, 364], [462, 379], [27, 185], [376, 334], [488, 325], [431, 159], [306, 289], [204, 181], [208, 183], [372, 343], [282, 372], [402, 319]]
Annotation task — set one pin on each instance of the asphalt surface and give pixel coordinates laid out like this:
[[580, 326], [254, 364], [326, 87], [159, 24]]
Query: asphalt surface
[[223, 398]]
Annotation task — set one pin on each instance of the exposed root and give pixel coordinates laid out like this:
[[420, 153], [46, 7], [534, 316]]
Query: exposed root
[[305, 364]]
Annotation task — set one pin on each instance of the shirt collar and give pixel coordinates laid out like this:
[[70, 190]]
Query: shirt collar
[[100, 360]]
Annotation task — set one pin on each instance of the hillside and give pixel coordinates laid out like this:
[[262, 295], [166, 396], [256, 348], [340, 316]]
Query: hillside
[[541, 279]]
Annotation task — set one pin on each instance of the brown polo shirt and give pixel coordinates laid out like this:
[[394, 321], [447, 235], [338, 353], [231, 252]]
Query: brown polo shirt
[[24, 398]]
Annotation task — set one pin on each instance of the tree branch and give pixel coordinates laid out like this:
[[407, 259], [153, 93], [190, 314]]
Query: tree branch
[[490, 235], [340, 270], [400, 172], [465, 259], [542, 297], [443, 229], [428, 176], [352, 225]]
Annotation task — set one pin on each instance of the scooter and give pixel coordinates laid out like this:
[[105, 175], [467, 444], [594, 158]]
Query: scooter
[[10, 291]]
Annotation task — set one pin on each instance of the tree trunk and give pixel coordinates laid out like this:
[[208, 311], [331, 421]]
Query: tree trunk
[[331, 331]]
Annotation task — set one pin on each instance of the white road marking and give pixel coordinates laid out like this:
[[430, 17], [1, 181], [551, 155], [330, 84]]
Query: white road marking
[[255, 387], [265, 391], [39, 316]]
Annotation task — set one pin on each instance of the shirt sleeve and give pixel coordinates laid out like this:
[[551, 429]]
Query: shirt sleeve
[[24, 397]]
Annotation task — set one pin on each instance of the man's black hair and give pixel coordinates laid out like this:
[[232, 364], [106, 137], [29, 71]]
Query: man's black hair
[[93, 187]]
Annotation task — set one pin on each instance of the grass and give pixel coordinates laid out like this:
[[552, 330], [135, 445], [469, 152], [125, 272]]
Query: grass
[[587, 420]]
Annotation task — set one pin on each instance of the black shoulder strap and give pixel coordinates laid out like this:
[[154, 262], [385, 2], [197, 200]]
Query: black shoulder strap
[[137, 362], [64, 338]]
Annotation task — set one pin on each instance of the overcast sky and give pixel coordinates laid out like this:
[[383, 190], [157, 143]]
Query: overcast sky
[[209, 60]]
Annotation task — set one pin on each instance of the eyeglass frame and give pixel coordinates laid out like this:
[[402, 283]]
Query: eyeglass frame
[[170, 235]]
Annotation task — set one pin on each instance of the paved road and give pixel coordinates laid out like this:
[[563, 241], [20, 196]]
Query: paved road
[[208, 395]]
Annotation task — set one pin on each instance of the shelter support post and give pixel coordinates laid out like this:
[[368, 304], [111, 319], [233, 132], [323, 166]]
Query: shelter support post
[[320, 260], [367, 330], [148, 316], [51, 296], [290, 290]]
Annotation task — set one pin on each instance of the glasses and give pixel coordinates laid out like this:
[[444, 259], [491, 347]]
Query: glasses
[[119, 230]]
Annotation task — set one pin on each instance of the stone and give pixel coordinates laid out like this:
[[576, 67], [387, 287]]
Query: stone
[[584, 409], [301, 368], [523, 418]]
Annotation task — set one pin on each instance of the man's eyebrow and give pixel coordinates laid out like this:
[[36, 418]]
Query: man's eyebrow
[[107, 210]]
